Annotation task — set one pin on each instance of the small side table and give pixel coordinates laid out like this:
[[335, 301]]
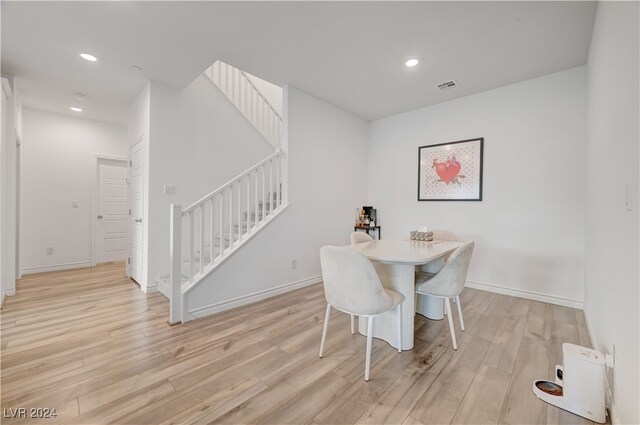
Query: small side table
[[369, 229]]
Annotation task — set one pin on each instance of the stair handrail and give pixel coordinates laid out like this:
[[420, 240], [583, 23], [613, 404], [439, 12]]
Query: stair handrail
[[260, 94], [225, 186], [265, 179], [237, 86]]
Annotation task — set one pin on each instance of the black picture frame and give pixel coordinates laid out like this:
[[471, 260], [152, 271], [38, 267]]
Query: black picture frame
[[432, 176]]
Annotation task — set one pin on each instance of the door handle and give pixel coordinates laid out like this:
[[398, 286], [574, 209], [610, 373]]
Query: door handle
[[100, 217], [138, 220]]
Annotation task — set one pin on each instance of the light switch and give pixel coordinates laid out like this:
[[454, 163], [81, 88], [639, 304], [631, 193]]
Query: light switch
[[75, 203], [169, 189]]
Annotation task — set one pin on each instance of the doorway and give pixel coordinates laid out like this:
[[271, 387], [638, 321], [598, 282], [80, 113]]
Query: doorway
[[111, 211], [136, 193]]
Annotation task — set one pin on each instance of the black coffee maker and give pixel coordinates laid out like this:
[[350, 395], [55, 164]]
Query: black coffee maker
[[370, 212]]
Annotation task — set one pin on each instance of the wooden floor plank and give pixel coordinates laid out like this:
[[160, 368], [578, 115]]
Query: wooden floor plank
[[395, 404], [440, 403], [482, 403]]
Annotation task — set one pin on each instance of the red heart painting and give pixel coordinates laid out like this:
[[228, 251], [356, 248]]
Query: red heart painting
[[447, 171]]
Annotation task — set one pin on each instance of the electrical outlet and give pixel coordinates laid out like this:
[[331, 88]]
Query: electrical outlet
[[294, 263], [169, 189], [49, 250]]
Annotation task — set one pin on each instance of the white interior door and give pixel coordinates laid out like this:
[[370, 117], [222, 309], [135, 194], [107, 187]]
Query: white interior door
[[112, 211], [136, 190]]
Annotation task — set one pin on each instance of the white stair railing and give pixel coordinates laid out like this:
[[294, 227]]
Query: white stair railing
[[239, 89], [213, 228]]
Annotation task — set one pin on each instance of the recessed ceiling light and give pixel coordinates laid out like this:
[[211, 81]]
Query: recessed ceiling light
[[411, 62], [88, 57], [75, 109]]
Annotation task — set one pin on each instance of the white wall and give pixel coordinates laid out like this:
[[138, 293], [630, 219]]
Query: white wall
[[58, 168], [529, 228], [327, 150], [11, 134], [612, 278], [198, 141]]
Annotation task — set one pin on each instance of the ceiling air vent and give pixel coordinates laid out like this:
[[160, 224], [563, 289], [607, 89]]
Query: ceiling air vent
[[447, 85]]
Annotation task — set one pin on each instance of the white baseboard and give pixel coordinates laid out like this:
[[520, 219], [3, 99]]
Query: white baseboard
[[163, 286], [56, 267], [521, 293], [251, 298], [147, 289]]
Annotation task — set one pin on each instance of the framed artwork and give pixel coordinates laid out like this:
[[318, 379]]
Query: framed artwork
[[451, 171]]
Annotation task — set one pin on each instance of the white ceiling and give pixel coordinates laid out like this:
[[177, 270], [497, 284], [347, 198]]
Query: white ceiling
[[351, 54]]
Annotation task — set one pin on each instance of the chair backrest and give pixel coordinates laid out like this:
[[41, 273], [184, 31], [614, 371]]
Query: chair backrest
[[359, 237], [449, 281], [444, 235], [351, 283]]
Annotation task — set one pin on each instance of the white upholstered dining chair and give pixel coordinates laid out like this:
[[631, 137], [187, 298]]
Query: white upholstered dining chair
[[435, 266], [359, 237], [351, 285], [448, 283]]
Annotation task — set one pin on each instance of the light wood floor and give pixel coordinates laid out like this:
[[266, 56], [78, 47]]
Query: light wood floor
[[91, 345]]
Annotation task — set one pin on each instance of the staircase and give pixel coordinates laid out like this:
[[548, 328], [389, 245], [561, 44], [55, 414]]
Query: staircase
[[207, 233]]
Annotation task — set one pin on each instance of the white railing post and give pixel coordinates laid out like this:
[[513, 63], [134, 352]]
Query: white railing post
[[271, 186], [239, 209], [248, 210], [212, 232], [284, 139], [201, 237], [279, 179], [264, 206], [231, 216], [256, 205], [191, 242], [221, 237], [175, 273]]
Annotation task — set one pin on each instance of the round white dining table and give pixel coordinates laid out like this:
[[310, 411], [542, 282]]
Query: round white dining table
[[395, 261]]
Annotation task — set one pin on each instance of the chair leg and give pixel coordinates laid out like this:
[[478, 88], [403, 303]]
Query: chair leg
[[367, 361], [445, 307], [353, 325], [400, 328], [325, 328], [457, 298], [449, 316]]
